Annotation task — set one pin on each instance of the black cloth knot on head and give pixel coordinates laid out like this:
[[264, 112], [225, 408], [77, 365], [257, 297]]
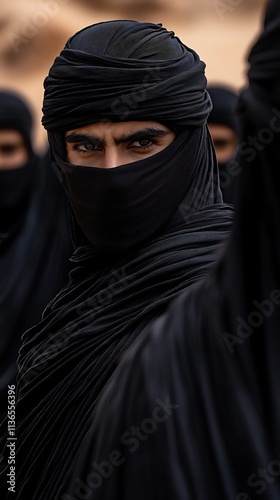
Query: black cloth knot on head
[[125, 71]]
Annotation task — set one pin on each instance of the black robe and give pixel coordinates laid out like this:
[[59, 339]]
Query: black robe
[[192, 412], [66, 360], [34, 264]]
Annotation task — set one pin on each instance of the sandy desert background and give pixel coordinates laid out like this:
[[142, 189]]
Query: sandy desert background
[[32, 33]]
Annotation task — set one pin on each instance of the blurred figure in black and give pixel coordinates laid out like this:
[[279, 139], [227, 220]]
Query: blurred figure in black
[[34, 237], [223, 126]]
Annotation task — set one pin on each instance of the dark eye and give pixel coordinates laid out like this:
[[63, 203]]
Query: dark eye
[[8, 149], [142, 144], [86, 147], [221, 143]]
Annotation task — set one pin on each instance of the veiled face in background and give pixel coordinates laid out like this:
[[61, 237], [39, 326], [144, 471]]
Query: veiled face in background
[[109, 145], [225, 141], [13, 151]]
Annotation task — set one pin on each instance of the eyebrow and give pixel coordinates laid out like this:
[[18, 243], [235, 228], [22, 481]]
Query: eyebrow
[[139, 135]]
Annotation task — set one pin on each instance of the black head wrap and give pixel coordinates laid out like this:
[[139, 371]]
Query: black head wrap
[[15, 115], [123, 71], [224, 100], [130, 71]]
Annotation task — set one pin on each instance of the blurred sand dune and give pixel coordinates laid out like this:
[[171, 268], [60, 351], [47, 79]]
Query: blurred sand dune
[[32, 33]]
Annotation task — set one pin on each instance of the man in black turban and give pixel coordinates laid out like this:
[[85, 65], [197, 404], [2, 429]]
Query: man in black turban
[[192, 411], [125, 108]]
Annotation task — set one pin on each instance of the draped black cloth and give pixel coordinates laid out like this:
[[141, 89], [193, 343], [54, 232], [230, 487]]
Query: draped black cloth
[[192, 412], [66, 360], [224, 112], [35, 246], [224, 102], [117, 71]]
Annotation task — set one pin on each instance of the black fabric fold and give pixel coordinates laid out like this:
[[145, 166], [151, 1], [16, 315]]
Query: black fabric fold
[[67, 359]]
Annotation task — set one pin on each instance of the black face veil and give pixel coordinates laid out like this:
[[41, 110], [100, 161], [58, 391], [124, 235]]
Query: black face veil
[[130, 71]]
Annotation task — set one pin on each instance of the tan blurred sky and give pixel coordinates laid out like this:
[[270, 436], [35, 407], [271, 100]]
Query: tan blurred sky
[[32, 33]]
